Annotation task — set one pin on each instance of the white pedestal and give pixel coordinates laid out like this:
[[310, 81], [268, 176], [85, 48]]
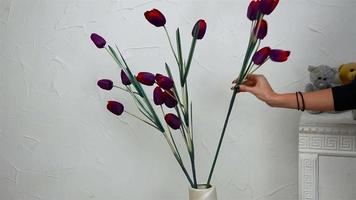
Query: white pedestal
[[326, 137]]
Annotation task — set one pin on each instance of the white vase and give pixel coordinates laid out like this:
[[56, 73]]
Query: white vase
[[204, 192]]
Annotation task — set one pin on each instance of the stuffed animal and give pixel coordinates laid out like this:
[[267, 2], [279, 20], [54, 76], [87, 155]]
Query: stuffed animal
[[347, 73], [321, 77]]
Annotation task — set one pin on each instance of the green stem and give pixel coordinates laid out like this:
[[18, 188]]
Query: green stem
[[170, 43], [222, 134]]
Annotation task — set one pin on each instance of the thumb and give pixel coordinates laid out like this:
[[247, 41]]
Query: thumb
[[245, 88]]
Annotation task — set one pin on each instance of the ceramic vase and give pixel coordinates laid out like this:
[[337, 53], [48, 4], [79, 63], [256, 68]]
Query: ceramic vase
[[203, 192]]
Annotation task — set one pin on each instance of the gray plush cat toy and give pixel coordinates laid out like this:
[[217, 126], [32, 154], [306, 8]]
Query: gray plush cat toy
[[321, 77]]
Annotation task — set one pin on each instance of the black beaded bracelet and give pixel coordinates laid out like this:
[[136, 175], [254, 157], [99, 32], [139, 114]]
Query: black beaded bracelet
[[303, 103], [296, 95]]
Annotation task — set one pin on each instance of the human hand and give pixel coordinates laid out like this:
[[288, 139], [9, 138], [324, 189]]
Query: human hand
[[257, 85]]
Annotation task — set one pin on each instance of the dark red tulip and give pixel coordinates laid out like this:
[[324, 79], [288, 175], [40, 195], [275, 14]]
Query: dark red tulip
[[262, 30], [278, 55], [199, 29], [105, 84], [124, 79], [173, 121], [169, 99], [155, 17], [267, 6], [98, 40], [115, 107], [146, 78], [253, 9], [261, 55], [164, 81], [158, 96]]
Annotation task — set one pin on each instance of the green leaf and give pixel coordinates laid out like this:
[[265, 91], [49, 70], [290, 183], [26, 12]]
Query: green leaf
[[189, 61], [180, 55]]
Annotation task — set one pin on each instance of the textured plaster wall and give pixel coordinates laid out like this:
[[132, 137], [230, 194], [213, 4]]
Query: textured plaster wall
[[57, 141]]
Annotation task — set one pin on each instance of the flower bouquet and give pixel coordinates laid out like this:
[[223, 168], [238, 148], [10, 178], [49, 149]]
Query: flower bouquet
[[169, 108]]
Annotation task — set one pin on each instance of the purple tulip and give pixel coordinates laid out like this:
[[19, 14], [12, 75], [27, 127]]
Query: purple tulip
[[173, 121], [253, 10], [105, 84], [169, 99], [267, 6], [158, 96], [262, 29], [164, 81], [278, 55], [98, 40], [199, 29], [261, 55], [146, 78], [115, 107], [155, 17], [124, 79]]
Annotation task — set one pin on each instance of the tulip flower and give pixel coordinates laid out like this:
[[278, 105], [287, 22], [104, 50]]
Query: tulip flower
[[261, 27], [98, 40], [146, 78], [169, 99], [278, 55], [115, 107], [199, 29], [253, 9], [164, 81], [158, 96], [124, 79], [173, 121], [155, 17], [261, 55], [267, 6], [105, 84]]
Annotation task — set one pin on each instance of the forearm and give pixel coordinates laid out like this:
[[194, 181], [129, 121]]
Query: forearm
[[321, 100]]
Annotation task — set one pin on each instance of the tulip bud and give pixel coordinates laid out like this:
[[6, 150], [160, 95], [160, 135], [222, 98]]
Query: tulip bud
[[124, 79], [253, 9], [146, 78], [98, 40], [199, 29], [262, 29], [115, 107], [169, 99], [105, 84], [261, 55], [267, 6], [158, 96], [164, 81], [173, 121], [155, 17], [278, 55]]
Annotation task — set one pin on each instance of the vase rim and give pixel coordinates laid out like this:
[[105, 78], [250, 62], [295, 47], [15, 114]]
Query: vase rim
[[203, 187]]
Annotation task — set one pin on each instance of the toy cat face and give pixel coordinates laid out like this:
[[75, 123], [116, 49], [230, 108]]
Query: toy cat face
[[347, 72], [322, 76]]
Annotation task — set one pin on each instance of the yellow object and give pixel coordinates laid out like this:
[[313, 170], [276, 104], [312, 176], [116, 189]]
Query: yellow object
[[347, 73]]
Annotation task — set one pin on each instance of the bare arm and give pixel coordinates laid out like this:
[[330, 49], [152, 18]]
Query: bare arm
[[258, 85]]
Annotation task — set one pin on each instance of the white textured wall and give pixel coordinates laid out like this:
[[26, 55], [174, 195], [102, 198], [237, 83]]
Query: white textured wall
[[57, 141]]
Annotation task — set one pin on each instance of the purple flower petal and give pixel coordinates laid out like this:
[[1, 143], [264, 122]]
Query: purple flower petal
[[158, 96], [262, 30], [173, 121], [253, 9], [115, 107], [124, 79], [169, 99], [199, 29], [164, 81], [146, 78], [98, 40], [155, 17], [105, 84], [261, 55]]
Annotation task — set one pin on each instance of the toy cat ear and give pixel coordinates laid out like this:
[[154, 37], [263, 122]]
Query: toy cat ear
[[340, 67], [311, 68]]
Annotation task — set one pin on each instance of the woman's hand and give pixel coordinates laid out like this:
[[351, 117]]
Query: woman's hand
[[259, 86]]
